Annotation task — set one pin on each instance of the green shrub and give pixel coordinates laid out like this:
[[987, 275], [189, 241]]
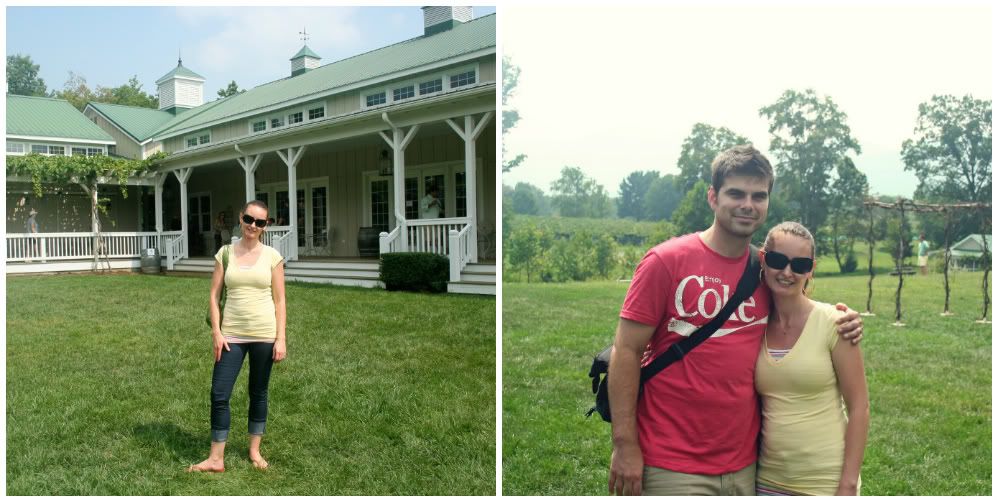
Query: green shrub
[[415, 271]]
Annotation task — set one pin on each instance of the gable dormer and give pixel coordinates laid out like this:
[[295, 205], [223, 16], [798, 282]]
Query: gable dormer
[[180, 90]]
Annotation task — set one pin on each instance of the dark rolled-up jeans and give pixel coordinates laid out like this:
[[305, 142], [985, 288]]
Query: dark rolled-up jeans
[[223, 380]]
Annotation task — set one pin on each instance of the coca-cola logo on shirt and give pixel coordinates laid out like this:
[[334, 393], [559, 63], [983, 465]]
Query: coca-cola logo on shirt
[[707, 304]]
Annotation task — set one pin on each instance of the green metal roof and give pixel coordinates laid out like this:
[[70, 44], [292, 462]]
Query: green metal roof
[[472, 36], [45, 117], [305, 52], [180, 70], [137, 122]]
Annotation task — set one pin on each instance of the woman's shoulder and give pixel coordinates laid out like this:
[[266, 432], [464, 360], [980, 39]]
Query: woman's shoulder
[[827, 312]]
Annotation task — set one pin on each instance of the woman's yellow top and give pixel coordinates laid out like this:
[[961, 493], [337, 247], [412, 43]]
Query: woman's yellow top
[[803, 413], [249, 307]]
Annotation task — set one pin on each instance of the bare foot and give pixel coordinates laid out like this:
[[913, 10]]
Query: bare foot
[[258, 461], [209, 465]]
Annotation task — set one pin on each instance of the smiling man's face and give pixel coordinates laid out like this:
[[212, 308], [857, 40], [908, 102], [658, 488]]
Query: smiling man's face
[[741, 205]]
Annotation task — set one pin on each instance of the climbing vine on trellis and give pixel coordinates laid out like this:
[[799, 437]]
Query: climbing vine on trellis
[[86, 171]]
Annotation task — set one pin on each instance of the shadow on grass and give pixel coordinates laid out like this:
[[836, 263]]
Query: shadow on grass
[[181, 445]]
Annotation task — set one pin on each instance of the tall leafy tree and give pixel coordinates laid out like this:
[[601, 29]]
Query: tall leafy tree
[[510, 115], [577, 195], [693, 213], [231, 90], [951, 155], [528, 199], [632, 191], [663, 197], [76, 91], [22, 76], [129, 94], [700, 148], [847, 192], [809, 140]]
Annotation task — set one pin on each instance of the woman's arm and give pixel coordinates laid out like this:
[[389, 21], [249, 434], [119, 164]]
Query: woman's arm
[[216, 317], [848, 366], [280, 307]]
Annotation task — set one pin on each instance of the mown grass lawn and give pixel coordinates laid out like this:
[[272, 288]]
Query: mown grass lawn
[[108, 382], [929, 384]]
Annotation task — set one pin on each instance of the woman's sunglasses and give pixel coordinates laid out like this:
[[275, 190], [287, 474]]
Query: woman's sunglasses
[[248, 219], [799, 265]]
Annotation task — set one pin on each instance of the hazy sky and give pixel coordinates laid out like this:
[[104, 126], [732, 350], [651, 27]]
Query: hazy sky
[[613, 90], [251, 45]]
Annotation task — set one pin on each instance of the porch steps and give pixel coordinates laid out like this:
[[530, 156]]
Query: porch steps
[[475, 279], [357, 273]]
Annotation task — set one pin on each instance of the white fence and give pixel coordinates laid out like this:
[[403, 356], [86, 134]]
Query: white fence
[[76, 246]]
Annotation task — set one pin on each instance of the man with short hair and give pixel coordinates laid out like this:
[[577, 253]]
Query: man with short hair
[[694, 430], [429, 206]]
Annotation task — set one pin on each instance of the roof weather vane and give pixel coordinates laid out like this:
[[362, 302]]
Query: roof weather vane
[[304, 35]]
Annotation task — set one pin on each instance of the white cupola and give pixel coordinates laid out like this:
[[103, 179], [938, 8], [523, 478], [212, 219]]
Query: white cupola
[[180, 89], [304, 60], [439, 19]]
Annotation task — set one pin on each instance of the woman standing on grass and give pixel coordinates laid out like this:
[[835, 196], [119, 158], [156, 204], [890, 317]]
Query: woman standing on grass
[[807, 379], [254, 323]]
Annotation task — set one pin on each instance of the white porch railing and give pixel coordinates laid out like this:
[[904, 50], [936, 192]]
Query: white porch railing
[[460, 253], [390, 242], [279, 237], [76, 246], [174, 246], [433, 235]]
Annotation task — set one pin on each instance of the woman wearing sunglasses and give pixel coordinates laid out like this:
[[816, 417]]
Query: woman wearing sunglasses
[[815, 404], [254, 324]]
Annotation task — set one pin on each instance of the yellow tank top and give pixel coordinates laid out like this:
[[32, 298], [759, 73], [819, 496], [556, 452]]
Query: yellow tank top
[[803, 414], [249, 308]]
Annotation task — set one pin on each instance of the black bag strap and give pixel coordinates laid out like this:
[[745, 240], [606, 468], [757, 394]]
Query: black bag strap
[[745, 287]]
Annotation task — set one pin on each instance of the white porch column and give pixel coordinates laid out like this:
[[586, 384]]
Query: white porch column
[[470, 134], [160, 181], [249, 164], [291, 159], [183, 175], [398, 142]]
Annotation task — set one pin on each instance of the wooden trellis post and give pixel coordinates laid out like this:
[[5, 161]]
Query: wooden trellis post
[[986, 272], [871, 238], [948, 210]]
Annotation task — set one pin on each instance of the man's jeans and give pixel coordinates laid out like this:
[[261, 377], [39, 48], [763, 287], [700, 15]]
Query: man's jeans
[[223, 379]]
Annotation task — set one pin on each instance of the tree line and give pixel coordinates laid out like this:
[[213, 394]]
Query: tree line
[[818, 183], [23, 79]]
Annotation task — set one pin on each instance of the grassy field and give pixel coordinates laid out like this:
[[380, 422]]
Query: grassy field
[[929, 384], [108, 383]]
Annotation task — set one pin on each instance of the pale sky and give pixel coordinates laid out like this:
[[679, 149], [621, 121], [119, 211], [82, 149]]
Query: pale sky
[[249, 44], [615, 89]]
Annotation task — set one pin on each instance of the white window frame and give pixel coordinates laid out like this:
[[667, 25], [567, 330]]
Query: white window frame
[[197, 138], [449, 168], [19, 144], [63, 153], [310, 109], [292, 113], [443, 76], [252, 125], [45, 146], [83, 151], [283, 122], [95, 151], [373, 92]]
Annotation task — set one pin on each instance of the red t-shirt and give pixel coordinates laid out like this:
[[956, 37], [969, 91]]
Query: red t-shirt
[[700, 415]]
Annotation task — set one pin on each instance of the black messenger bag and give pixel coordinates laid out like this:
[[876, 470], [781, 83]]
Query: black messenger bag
[[600, 365]]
